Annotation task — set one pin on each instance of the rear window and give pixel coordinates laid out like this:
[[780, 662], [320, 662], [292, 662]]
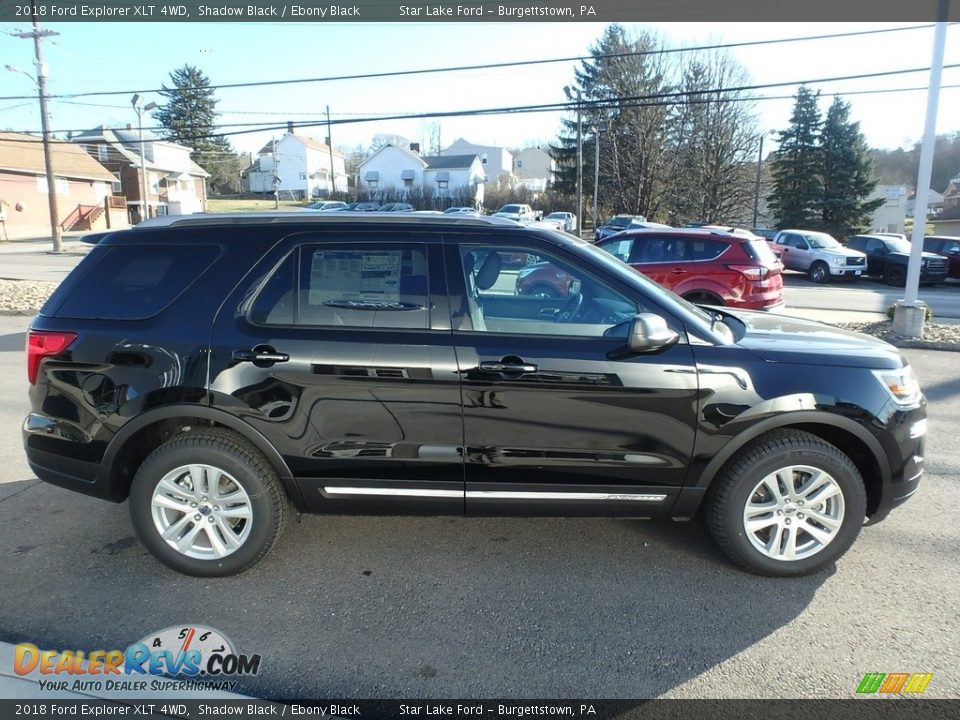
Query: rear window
[[760, 251], [133, 282]]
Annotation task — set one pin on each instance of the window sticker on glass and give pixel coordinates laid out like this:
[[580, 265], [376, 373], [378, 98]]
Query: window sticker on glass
[[357, 280]]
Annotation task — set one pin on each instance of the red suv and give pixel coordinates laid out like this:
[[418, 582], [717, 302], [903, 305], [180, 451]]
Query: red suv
[[709, 267]]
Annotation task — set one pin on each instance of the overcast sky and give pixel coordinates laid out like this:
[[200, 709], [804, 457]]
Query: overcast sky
[[116, 56]]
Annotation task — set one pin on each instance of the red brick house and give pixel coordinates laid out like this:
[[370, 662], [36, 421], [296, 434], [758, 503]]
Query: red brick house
[[83, 186]]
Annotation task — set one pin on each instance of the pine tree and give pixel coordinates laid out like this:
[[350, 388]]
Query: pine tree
[[634, 147], [847, 172], [797, 197], [190, 118]]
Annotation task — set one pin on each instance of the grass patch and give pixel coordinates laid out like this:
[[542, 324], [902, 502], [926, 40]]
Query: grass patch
[[224, 205]]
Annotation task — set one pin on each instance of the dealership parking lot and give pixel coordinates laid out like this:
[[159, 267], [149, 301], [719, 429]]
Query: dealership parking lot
[[361, 607]]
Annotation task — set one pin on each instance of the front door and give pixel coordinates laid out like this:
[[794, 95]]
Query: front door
[[339, 351], [557, 420]]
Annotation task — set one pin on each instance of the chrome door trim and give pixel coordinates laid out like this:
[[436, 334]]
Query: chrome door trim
[[494, 494], [534, 495], [399, 492]]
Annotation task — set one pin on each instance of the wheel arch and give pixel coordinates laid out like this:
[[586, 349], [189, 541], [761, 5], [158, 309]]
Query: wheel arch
[[851, 438], [140, 436]]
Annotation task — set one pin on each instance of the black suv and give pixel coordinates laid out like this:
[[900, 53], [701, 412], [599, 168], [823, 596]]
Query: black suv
[[217, 370], [888, 258]]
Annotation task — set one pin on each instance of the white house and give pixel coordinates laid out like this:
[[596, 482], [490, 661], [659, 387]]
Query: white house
[[302, 167], [450, 175], [496, 161], [890, 216], [934, 203], [391, 168], [534, 168], [396, 170]]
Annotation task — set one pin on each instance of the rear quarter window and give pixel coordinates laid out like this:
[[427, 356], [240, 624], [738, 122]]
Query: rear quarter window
[[131, 282], [760, 251]]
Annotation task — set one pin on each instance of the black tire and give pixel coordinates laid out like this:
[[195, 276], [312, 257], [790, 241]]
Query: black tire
[[819, 272], [896, 275], [246, 467], [543, 291], [702, 297], [732, 489]]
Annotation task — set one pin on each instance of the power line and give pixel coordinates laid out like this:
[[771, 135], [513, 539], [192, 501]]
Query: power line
[[494, 66], [610, 103]]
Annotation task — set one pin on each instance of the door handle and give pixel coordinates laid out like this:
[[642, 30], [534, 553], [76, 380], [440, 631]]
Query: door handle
[[261, 356], [507, 367], [678, 271]]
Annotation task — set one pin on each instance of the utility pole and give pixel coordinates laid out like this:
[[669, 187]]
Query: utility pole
[[579, 164], [276, 178], [756, 191], [37, 34], [333, 178], [598, 128]]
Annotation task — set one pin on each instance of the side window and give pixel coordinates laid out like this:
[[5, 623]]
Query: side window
[[706, 249], [135, 282], [660, 249], [547, 295], [875, 246], [619, 248], [360, 286], [799, 242], [855, 243]]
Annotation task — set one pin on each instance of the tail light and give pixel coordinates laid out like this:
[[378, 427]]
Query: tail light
[[44, 344], [751, 272]]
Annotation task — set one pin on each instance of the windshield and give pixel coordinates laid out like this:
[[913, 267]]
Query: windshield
[[555, 216], [509, 209], [821, 241], [897, 245], [620, 221]]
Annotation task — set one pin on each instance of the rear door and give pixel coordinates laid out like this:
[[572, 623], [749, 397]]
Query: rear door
[[662, 258], [556, 420], [337, 348]]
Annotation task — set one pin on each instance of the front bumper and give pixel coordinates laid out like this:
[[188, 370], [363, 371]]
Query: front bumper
[[903, 444]]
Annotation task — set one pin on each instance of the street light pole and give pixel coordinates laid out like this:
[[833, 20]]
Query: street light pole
[[579, 164], [137, 103], [756, 191], [37, 34], [599, 128]]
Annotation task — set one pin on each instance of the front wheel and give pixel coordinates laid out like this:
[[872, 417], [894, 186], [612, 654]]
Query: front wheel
[[790, 505], [819, 272], [208, 504], [896, 276]]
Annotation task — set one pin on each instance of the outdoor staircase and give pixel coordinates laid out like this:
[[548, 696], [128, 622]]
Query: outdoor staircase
[[82, 218]]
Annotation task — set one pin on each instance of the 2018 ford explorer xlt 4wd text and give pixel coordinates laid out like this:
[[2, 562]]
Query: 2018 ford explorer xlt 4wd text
[[218, 370]]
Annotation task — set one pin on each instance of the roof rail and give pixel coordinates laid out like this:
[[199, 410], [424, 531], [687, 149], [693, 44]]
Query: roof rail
[[321, 218]]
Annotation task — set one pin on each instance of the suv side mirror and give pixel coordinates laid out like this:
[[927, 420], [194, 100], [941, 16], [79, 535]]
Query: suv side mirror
[[649, 332]]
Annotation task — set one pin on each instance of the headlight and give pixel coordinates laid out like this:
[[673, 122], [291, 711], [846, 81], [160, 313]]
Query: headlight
[[523, 272], [839, 260], [901, 384]]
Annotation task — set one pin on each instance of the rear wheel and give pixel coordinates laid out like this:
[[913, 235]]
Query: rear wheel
[[819, 272], [789, 505], [207, 504], [703, 297], [896, 275]]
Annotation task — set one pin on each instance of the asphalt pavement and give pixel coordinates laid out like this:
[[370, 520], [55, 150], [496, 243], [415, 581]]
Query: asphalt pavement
[[450, 607]]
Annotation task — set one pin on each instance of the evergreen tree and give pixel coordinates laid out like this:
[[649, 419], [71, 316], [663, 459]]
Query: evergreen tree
[[190, 118], [634, 147], [796, 200], [847, 172]]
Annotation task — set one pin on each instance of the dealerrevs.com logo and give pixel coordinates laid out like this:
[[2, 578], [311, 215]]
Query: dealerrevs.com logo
[[191, 657]]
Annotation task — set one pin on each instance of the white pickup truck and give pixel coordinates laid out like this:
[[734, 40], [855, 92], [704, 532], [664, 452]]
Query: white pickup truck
[[817, 254]]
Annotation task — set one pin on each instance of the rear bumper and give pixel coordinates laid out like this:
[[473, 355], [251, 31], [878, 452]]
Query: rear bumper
[[76, 475]]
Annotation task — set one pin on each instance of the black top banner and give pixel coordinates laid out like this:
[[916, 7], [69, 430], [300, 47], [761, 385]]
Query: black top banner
[[318, 11]]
